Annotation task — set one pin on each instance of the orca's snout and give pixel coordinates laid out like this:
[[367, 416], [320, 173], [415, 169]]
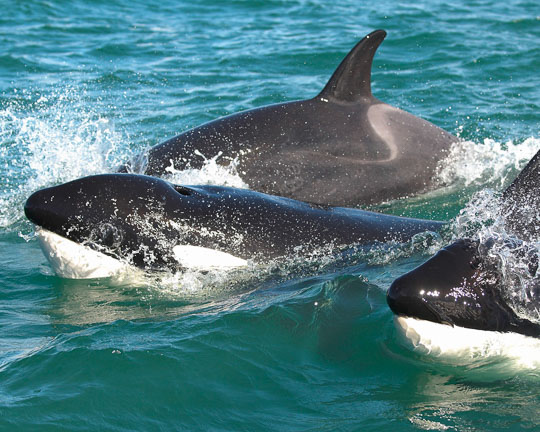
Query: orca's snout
[[406, 297], [38, 207], [32, 207], [431, 291]]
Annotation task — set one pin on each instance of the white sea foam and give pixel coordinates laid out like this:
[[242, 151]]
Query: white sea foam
[[214, 171], [489, 162], [460, 346]]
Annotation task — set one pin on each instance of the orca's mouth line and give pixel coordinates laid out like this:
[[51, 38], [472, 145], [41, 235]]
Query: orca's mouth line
[[434, 318], [440, 319]]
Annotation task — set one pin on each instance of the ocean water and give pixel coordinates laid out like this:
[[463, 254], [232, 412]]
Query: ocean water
[[301, 344]]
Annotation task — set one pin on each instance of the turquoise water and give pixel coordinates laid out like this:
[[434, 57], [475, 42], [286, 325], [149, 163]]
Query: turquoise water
[[307, 344]]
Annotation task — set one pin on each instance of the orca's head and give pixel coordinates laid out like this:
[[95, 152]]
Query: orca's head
[[125, 216], [464, 283], [459, 286]]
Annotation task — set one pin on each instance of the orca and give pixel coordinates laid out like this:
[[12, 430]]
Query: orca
[[466, 285], [153, 224], [344, 147]]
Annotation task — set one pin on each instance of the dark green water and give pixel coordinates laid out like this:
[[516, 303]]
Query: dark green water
[[302, 345]]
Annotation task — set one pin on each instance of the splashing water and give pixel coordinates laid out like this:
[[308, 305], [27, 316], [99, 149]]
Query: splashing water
[[48, 140], [54, 138], [211, 173], [487, 163], [483, 219]]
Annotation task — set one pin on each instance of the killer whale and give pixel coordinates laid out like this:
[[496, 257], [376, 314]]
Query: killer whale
[[153, 224], [344, 147], [464, 284]]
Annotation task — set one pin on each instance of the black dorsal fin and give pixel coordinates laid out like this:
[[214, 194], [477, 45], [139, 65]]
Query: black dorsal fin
[[522, 200], [352, 79]]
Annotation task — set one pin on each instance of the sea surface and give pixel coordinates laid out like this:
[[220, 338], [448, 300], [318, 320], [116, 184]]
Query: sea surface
[[303, 344]]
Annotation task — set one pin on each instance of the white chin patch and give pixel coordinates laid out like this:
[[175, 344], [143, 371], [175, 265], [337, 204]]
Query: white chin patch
[[74, 261], [200, 258], [460, 345]]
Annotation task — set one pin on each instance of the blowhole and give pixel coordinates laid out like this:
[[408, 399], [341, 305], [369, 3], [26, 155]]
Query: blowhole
[[182, 190]]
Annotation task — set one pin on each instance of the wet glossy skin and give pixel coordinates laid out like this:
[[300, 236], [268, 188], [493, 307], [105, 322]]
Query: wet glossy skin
[[458, 287], [142, 218], [463, 285], [343, 147]]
